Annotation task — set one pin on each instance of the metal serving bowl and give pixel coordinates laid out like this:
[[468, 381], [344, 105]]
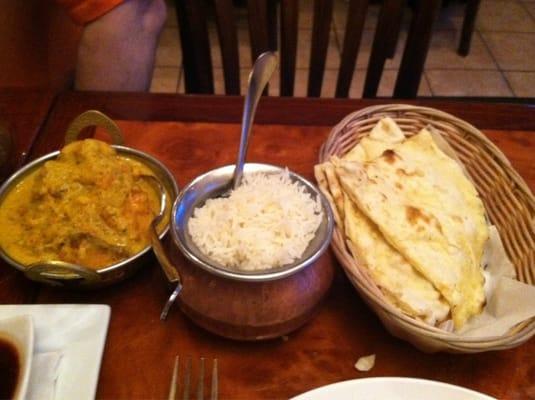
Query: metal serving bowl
[[247, 305], [57, 273], [215, 182]]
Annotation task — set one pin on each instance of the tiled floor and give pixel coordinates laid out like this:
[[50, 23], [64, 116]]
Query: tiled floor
[[501, 60]]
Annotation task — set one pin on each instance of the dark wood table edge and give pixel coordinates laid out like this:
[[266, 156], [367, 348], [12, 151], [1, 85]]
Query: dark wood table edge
[[303, 111]]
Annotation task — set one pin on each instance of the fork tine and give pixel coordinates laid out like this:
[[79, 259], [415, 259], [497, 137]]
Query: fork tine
[[187, 374], [215, 383], [200, 383], [172, 388]]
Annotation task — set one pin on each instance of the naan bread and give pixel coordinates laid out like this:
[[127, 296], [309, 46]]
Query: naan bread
[[384, 135], [321, 178], [397, 279], [409, 205], [413, 219], [451, 186]]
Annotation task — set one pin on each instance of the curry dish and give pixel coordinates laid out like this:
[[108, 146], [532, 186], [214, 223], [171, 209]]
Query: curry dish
[[90, 206]]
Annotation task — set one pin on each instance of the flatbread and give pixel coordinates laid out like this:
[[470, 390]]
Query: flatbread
[[407, 203], [394, 275], [452, 187], [384, 135], [414, 220], [323, 184], [403, 285]]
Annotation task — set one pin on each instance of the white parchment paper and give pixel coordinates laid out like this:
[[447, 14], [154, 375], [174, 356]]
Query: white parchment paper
[[508, 301]]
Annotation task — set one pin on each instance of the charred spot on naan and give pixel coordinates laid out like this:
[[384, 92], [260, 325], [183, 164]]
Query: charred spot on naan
[[416, 216], [409, 172], [390, 156]]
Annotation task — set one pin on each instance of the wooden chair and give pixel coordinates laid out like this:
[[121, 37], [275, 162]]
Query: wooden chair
[[263, 31], [469, 22], [416, 47]]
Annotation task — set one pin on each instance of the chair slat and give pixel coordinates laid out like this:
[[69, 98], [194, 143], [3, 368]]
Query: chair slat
[[418, 41], [353, 33], [323, 10], [394, 30], [228, 41], [472, 7], [257, 13], [195, 46], [289, 17], [258, 29], [391, 11], [272, 24], [263, 26]]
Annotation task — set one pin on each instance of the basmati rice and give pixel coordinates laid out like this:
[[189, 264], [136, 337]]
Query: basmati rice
[[265, 223]]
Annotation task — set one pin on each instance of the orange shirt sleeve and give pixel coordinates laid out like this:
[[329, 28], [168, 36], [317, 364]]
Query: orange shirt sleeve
[[85, 11]]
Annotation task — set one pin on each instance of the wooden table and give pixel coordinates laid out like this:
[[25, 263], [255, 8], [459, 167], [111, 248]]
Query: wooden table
[[194, 134]]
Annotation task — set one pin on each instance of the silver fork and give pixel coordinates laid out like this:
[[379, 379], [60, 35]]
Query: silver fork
[[186, 380]]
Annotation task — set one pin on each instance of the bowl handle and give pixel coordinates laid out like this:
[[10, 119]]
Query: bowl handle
[[55, 273], [168, 268], [93, 118]]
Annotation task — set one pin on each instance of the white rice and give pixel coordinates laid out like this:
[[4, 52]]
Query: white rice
[[267, 222]]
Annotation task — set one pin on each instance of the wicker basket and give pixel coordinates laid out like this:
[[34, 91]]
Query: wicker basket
[[508, 200]]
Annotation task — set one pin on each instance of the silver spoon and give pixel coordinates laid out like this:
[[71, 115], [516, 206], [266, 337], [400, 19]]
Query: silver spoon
[[263, 68]]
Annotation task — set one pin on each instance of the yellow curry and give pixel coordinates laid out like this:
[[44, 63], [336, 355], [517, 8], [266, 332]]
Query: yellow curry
[[89, 206]]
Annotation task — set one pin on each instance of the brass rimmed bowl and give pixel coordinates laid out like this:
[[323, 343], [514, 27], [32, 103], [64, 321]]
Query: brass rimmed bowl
[[57, 273]]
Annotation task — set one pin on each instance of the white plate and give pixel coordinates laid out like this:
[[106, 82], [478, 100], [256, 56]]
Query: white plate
[[391, 389], [78, 331], [18, 331]]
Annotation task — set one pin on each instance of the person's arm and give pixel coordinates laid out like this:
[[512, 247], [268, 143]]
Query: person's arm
[[117, 50]]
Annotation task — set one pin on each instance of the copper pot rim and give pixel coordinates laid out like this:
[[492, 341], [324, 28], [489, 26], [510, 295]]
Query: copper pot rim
[[195, 256]]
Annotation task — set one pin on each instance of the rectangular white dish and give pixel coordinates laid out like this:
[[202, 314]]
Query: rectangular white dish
[[78, 331]]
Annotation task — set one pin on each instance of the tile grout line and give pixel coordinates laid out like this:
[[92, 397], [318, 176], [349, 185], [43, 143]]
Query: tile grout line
[[337, 41], [338, 45], [502, 31], [496, 62], [153, 80], [523, 5], [167, 65], [463, 69], [473, 70], [428, 84]]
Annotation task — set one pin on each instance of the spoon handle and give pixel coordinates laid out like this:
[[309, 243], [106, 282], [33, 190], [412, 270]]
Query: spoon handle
[[263, 68]]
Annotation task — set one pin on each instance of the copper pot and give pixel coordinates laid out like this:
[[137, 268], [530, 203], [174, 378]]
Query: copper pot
[[245, 305]]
